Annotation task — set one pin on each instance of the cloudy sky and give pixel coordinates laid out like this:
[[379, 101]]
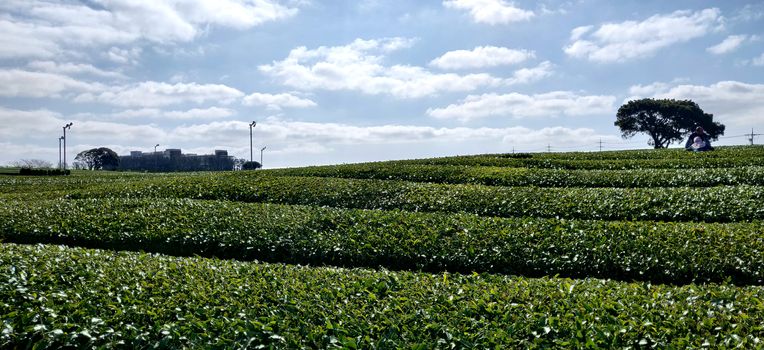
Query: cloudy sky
[[361, 80]]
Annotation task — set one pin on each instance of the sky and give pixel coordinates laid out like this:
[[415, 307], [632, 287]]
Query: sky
[[332, 82]]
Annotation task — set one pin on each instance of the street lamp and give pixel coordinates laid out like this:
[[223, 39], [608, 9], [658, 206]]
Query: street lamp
[[261, 156], [251, 125], [155, 156], [60, 138], [67, 126]]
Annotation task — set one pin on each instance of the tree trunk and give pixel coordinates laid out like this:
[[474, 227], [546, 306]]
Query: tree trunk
[[657, 144]]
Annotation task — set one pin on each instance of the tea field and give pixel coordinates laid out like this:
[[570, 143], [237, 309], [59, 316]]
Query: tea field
[[622, 249]]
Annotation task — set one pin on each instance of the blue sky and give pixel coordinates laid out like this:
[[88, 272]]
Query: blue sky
[[347, 81]]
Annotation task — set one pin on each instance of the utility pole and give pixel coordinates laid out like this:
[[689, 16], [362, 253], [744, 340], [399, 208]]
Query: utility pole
[[67, 126], [548, 148], [60, 138], [251, 125], [261, 156], [600, 145], [751, 135], [155, 157]]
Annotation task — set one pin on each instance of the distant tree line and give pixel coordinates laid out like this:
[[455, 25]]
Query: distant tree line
[[31, 164]]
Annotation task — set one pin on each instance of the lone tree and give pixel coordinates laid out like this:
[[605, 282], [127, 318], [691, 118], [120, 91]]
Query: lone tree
[[666, 121], [99, 159]]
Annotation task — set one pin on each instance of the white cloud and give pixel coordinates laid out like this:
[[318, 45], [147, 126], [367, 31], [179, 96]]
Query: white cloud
[[123, 56], [21, 83], [137, 113], [154, 94], [239, 14], [303, 148], [578, 32], [529, 75], [734, 103], [13, 152], [156, 113], [394, 44], [95, 131], [20, 40], [619, 42], [217, 132], [46, 124], [45, 30], [758, 61], [750, 12], [359, 66], [289, 139], [648, 90], [517, 105], [20, 124], [731, 43], [277, 101], [558, 137], [481, 57], [491, 11], [35, 28], [69, 68], [201, 113], [329, 135]]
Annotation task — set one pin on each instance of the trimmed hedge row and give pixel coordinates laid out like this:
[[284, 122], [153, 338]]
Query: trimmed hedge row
[[81, 179], [45, 184], [43, 172], [55, 297], [715, 204], [654, 251], [500, 176], [643, 155], [591, 164], [666, 153]]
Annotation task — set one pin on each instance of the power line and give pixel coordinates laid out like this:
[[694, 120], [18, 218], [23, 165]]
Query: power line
[[752, 136], [573, 147], [622, 142], [602, 145]]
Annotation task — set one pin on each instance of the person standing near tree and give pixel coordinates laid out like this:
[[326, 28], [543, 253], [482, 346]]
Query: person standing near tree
[[698, 141]]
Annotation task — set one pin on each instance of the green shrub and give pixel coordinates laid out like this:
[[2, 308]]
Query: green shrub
[[714, 204], [502, 176], [43, 172], [55, 297], [654, 251]]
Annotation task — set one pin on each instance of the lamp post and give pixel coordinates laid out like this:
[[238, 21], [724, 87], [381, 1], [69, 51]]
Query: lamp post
[[251, 125], [261, 156], [60, 138], [67, 126], [155, 156]]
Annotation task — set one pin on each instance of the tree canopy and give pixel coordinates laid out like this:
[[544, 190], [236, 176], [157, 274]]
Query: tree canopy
[[99, 159], [32, 164], [665, 120], [251, 166]]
